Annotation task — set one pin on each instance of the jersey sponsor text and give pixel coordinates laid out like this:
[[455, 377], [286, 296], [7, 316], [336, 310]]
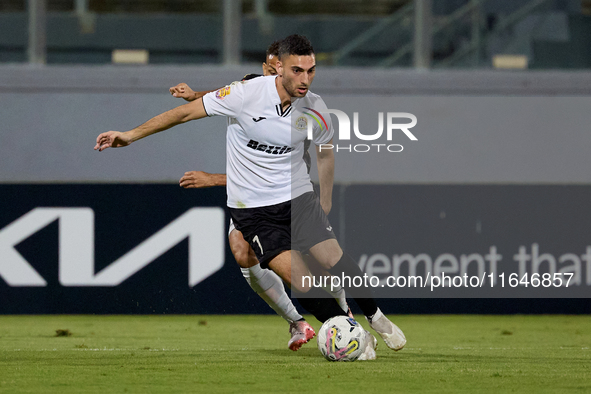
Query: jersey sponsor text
[[274, 150]]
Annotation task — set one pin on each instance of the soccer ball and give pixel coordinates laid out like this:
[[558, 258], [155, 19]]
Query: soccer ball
[[341, 339]]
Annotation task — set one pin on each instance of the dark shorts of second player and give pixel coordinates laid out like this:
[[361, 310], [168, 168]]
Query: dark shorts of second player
[[297, 224]]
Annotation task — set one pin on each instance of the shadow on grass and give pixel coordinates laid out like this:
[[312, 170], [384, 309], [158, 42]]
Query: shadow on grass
[[386, 355]]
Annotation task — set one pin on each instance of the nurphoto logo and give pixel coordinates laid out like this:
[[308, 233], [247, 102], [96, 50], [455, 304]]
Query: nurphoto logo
[[393, 127]]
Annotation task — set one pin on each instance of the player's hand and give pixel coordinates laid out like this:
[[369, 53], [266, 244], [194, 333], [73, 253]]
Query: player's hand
[[182, 90], [112, 139], [196, 180]]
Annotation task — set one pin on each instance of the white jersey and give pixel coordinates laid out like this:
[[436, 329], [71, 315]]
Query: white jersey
[[265, 144]]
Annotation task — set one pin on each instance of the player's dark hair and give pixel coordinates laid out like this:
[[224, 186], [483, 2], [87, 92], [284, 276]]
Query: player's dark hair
[[273, 48], [295, 45]]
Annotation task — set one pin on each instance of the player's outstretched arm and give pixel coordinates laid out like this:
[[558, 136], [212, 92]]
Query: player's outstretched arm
[[200, 179], [184, 113], [325, 162], [182, 90]]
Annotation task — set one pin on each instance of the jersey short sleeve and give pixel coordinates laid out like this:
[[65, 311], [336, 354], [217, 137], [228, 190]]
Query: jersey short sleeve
[[323, 130], [227, 101], [248, 77]]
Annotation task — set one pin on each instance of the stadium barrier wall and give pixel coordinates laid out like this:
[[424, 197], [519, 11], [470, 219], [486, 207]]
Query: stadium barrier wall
[[472, 127], [484, 137], [121, 248]]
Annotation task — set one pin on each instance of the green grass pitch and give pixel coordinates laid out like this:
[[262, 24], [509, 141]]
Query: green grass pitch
[[212, 354]]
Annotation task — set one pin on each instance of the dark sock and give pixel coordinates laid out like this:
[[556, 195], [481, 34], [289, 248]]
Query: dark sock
[[315, 302], [347, 267]]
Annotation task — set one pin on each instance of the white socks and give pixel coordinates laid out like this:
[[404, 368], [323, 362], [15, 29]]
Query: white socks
[[339, 295], [375, 316], [268, 285]]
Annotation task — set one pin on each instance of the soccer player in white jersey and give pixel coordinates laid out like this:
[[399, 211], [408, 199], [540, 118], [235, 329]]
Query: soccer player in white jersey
[[264, 185], [263, 281]]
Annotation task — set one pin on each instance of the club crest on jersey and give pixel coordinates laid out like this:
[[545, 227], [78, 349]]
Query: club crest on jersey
[[273, 150], [301, 123], [222, 93]]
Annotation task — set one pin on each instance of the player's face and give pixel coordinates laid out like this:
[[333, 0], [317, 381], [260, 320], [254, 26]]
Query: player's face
[[298, 73], [270, 66]]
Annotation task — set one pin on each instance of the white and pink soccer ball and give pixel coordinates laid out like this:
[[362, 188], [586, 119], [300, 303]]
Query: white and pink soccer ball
[[341, 338]]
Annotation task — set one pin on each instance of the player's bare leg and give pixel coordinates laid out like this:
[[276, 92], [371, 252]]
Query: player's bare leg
[[331, 257], [290, 266], [264, 282], [241, 250], [338, 293], [269, 287]]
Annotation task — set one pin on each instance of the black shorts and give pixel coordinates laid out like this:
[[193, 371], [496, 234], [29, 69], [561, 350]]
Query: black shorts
[[297, 224]]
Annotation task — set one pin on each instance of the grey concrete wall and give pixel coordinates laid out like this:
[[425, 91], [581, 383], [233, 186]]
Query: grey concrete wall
[[473, 127], [472, 139]]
